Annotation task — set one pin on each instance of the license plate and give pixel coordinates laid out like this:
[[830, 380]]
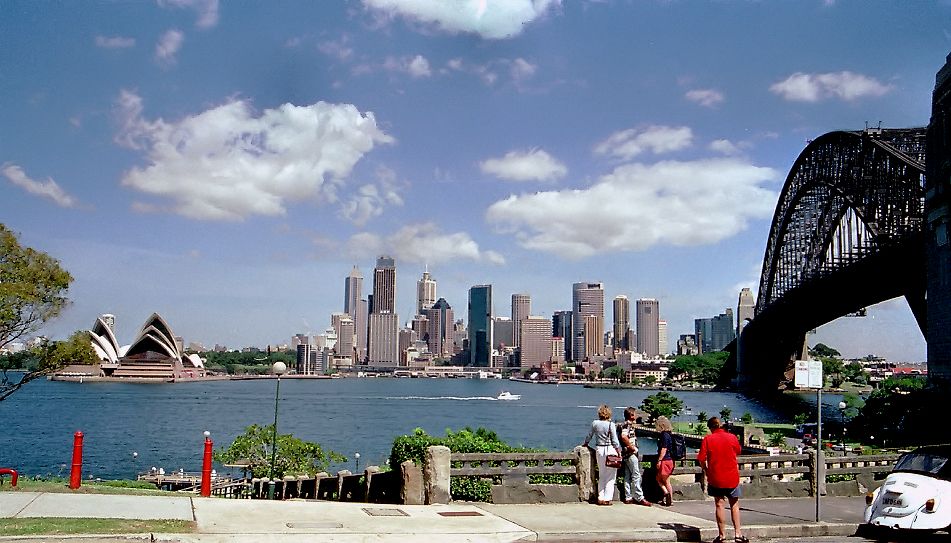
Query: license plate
[[891, 500]]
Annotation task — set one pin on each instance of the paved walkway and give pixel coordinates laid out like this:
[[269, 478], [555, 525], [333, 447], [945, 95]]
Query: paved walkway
[[239, 521]]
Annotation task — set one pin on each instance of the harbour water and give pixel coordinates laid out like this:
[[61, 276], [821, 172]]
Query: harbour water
[[163, 423]]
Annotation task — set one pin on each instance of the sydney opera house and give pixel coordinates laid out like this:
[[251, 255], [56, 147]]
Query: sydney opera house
[[155, 354]]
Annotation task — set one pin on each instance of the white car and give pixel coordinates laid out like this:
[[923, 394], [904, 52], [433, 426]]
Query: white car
[[916, 495]]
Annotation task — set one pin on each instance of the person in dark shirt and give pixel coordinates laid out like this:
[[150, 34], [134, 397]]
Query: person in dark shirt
[[665, 462]]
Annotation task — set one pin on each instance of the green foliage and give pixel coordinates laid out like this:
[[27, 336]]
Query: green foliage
[[725, 413], [293, 457], [614, 372], [822, 349], [902, 413], [801, 418], [777, 439], [247, 362], [75, 350], [702, 417], [650, 380], [662, 404], [747, 418], [704, 368]]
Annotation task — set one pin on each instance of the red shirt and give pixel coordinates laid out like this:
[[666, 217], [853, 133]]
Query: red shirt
[[719, 450]]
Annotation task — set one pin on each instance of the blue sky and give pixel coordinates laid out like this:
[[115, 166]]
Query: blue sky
[[226, 164]]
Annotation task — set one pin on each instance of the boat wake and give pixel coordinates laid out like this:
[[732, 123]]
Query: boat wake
[[457, 398]]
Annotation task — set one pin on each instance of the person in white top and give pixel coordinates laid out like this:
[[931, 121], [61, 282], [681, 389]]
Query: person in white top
[[605, 442]]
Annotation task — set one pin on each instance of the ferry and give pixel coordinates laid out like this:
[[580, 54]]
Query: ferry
[[506, 395]]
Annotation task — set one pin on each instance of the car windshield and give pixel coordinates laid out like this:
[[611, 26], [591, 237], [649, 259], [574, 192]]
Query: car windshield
[[921, 462]]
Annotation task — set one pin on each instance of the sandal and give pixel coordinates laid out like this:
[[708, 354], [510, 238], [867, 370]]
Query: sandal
[[741, 539], [719, 539]]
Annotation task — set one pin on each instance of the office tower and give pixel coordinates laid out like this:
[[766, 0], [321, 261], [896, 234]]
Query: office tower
[[304, 365], [561, 327], [425, 293], [587, 300], [593, 335], [361, 328], [703, 331], [687, 345], [299, 339], [439, 335], [407, 338], [344, 328], [558, 349], [352, 292], [503, 333], [384, 340], [521, 308], [535, 344], [420, 325], [648, 315], [480, 326], [745, 308], [722, 330], [662, 346], [109, 320], [384, 286], [622, 323]]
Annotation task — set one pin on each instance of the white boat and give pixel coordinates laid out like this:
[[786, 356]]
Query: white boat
[[506, 395]]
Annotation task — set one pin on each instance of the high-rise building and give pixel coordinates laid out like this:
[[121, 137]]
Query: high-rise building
[[662, 345], [622, 323], [587, 300], [343, 326], [745, 308], [384, 340], [648, 317], [361, 326], [439, 335], [703, 332], [352, 292], [723, 331], [938, 244], [480, 326], [521, 308], [535, 344], [384, 286], [561, 327], [593, 335], [109, 320], [503, 333], [425, 292]]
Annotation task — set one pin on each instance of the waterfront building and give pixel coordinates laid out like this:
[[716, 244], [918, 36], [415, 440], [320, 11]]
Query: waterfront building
[[425, 292], [420, 325], [110, 321], [155, 353], [310, 359], [663, 347], [438, 336], [587, 300], [687, 345], [593, 336], [561, 327], [703, 331], [715, 333], [648, 320], [938, 245], [298, 339], [558, 350], [361, 327], [384, 286], [521, 308], [407, 338], [536, 342], [622, 323], [745, 309], [384, 340], [480, 325], [503, 333], [344, 328], [352, 292]]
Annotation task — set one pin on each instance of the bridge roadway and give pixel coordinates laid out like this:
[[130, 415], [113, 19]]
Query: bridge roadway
[[240, 521]]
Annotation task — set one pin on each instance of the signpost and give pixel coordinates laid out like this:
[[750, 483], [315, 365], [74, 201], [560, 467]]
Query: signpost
[[809, 375]]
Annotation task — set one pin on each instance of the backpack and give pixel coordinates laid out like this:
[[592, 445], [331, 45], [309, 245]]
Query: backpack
[[678, 449]]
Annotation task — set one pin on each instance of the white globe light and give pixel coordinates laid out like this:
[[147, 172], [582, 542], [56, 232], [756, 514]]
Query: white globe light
[[842, 405], [279, 368]]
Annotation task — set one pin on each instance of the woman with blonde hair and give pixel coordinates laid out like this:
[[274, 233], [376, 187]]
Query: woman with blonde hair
[[605, 443], [665, 462]]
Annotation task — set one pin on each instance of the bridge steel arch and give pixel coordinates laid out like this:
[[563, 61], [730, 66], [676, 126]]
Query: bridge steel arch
[[848, 232]]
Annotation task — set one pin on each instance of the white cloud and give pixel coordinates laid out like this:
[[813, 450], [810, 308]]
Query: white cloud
[[48, 189], [114, 42], [629, 143], [168, 46], [522, 69], [339, 49], [227, 163], [422, 243], [848, 86], [490, 19], [531, 165], [370, 199], [207, 10], [725, 147], [705, 97], [638, 206], [416, 66]]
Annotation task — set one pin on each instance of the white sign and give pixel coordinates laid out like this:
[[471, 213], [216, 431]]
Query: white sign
[[808, 374]]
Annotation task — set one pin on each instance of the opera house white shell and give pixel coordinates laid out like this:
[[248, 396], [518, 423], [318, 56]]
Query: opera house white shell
[[153, 355]]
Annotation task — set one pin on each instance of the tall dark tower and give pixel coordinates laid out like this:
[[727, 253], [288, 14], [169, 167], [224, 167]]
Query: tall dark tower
[[938, 216], [384, 286]]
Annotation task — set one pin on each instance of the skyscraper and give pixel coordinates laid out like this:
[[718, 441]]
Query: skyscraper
[[703, 331], [503, 333], [622, 323], [593, 335], [384, 286], [425, 293], [439, 334], [352, 292], [480, 326], [561, 327], [521, 308], [535, 342], [384, 339], [343, 326], [587, 300], [723, 330], [745, 307], [648, 318], [663, 347]]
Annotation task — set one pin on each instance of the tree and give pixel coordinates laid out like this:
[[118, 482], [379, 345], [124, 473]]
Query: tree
[[725, 413], [662, 404], [702, 417], [747, 418], [32, 291], [821, 349], [293, 456], [75, 350], [614, 372]]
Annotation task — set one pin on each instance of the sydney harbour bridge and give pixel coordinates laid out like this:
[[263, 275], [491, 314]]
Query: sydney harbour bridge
[[862, 218]]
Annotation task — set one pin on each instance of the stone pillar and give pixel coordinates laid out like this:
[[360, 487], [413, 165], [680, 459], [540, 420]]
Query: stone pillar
[[817, 472], [584, 473], [340, 477], [412, 489], [436, 474], [368, 474]]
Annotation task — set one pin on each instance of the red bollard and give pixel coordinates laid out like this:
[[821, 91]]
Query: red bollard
[[206, 468], [12, 473], [76, 474]]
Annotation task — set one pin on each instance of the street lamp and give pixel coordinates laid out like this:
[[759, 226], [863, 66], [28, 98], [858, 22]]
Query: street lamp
[[279, 369], [842, 407], [356, 457]]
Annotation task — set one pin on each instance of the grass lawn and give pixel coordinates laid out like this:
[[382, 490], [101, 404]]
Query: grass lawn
[[58, 526], [87, 487]]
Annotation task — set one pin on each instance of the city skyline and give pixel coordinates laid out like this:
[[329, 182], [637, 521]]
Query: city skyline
[[525, 144]]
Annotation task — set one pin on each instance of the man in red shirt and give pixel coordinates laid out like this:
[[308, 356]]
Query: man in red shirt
[[717, 458]]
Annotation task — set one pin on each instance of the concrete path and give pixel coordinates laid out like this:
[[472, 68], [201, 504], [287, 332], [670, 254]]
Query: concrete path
[[240, 521]]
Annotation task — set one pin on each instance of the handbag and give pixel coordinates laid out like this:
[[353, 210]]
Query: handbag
[[613, 461]]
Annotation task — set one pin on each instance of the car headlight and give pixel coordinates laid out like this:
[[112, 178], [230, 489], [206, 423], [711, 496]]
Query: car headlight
[[929, 505]]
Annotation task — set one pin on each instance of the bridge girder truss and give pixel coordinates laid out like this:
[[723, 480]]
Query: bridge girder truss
[[848, 196]]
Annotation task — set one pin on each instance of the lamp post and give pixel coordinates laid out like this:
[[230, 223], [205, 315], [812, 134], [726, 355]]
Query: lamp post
[[279, 368], [842, 406], [356, 458]]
